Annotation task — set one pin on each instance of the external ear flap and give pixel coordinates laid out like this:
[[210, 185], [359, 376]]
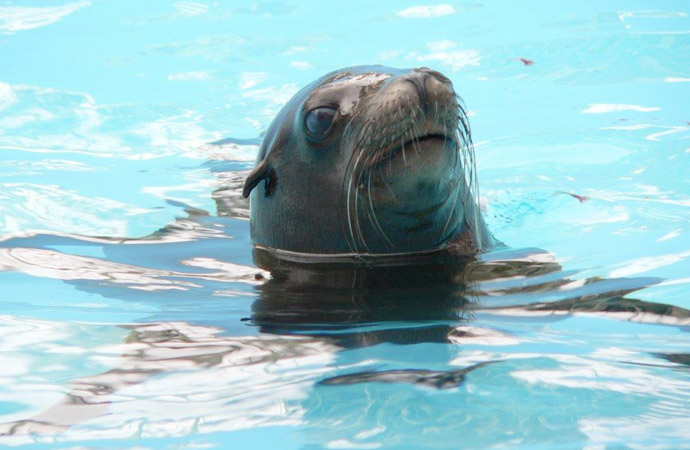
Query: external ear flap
[[261, 171]]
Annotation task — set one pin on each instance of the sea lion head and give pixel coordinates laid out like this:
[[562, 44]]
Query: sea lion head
[[367, 160]]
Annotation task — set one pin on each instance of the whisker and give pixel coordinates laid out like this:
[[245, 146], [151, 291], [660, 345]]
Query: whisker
[[402, 120], [470, 174], [375, 220], [348, 181], [357, 226]]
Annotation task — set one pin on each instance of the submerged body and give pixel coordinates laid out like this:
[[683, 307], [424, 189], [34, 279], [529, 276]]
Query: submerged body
[[368, 161]]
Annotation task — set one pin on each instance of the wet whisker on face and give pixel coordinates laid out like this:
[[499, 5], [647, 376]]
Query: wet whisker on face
[[436, 112], [409, 103], [352, 242], [454, 196], [374, 219], [366, 138], [418, 132], [385, 182], [354, 181], [348, 181], [357, 224], [413, 128], [473, 220]]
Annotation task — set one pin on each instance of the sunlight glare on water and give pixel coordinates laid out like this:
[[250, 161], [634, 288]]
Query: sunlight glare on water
[[126, 273]]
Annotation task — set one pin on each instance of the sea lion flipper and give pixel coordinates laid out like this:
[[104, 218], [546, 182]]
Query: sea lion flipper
[[260, 172]]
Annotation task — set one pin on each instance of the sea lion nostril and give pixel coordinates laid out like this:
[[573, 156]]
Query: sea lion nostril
[[437, 75], [419, 82]]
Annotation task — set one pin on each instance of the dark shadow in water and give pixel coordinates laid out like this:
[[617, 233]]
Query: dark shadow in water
[[356, 304], [678, 358], [681, 361], [437, 379]]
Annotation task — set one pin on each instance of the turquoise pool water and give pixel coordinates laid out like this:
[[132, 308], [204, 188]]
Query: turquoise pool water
[[126, 278]]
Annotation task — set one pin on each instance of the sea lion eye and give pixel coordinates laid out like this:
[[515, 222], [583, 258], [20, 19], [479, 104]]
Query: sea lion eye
[[319, 121]]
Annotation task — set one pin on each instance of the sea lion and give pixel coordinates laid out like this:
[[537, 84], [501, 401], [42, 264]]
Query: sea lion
[[368, 161]]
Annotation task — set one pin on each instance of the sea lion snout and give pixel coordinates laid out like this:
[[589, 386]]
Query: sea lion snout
[[435, 74], [431, 87], [428, 89], [414, 118]]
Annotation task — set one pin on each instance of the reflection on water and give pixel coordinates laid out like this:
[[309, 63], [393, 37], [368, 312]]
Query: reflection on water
[[224, 371]]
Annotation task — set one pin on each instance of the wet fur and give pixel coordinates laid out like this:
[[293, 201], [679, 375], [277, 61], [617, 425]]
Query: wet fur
[[383, 128]]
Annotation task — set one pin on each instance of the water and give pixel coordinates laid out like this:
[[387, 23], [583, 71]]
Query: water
[[127, 277]]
